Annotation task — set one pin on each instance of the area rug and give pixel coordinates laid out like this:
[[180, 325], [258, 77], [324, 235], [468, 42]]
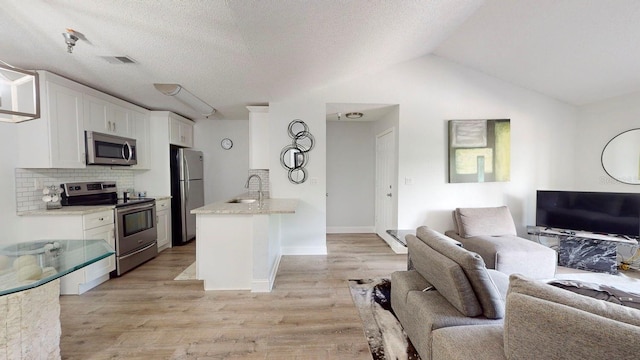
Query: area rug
[[188, 274], [387, 340]]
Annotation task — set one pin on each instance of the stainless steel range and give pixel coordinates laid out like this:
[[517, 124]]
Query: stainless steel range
[[136, 231]]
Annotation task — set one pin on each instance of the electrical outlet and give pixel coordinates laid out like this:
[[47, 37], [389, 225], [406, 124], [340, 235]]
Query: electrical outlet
[[314, 181], [408, 181], [38, 184]]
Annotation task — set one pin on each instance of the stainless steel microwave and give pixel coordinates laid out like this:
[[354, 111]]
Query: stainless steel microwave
[[107, 149]]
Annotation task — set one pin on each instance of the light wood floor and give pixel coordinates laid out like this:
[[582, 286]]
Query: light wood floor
[[145, 314]]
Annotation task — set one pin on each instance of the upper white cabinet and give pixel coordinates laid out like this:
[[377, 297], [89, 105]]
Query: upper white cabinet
[[105, 117], [56, 139], [180, 131], [258, 137], [139, 129]]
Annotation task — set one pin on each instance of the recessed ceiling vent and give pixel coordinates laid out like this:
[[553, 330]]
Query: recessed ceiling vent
[[119, 59]]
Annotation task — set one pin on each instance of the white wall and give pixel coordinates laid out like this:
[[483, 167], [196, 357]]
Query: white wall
[[9, 221], [599, 123], [429, 92], [350, 176], [225, 171]]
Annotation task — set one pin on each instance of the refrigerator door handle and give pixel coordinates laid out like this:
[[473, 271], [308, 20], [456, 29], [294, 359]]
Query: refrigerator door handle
[[186, 178]]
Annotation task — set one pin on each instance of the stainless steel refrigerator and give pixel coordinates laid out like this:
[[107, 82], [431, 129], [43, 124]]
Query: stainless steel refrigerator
[[187, 192]]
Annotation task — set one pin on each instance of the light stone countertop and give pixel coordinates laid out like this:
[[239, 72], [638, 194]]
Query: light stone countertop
[[80, 210], [68, 210], [269, 206]]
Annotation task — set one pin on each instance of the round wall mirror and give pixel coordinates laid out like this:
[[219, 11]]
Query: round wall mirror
[[621, 157]]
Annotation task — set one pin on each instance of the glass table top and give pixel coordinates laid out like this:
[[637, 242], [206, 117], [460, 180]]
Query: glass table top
[[28, 265]]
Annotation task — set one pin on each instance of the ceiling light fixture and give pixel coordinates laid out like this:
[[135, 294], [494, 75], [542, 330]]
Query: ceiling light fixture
[[70, 39], [19, 94], [186, 97], [354, 115]]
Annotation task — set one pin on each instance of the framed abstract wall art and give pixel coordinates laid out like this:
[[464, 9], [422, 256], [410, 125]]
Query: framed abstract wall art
[[479, 150]]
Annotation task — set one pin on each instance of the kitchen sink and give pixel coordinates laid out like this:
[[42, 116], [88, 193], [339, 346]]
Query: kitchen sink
[[241, 201]]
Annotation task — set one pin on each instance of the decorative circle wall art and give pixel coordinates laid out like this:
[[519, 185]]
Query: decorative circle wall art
[[295, 156]]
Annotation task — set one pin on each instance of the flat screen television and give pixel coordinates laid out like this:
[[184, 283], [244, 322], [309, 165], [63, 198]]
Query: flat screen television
[[596, 212]]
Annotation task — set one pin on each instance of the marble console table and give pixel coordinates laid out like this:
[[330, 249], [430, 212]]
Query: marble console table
[[30, 291], [585, 251]]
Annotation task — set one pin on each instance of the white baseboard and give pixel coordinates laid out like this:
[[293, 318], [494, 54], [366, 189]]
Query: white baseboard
[[304, 250], [351, 229]]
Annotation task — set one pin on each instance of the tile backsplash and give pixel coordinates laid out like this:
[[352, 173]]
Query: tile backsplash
[[254, 185], [28, 198]]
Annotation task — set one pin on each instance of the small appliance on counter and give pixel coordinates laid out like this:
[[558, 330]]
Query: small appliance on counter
[[136, 231]]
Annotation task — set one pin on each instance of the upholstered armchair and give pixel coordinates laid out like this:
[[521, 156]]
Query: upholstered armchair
[[491, 233]]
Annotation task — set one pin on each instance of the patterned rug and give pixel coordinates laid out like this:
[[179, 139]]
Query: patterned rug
[[384, 333]]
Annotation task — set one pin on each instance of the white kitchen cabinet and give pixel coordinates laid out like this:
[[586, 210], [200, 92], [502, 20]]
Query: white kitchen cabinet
[[180, 131], [103, 116], [163, 212], [139, 126], [94, 226], [258, 137], [56, 139]]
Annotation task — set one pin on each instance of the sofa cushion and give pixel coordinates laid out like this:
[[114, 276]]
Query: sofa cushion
[[539, 289], [512, 254], [445, 275], [477, 342], [486, 291], [552, 330], [430, 311], [493, 221], [402, 283], [600, 292]]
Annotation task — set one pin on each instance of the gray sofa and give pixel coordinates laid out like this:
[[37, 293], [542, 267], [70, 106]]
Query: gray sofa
[[452, 307], [491, 233], [449, 286]]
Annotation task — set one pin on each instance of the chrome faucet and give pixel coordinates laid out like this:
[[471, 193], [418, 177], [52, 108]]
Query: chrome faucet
[[260, 186]]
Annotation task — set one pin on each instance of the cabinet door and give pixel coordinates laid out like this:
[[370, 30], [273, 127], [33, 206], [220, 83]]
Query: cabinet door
[[180, 132], [164, 229], [186, 134], [104, 266], [66, 127], [105, 117], [96, 114], [140, 130]]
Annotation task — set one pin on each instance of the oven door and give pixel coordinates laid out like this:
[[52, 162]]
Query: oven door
[[105, 149], [135, 227]]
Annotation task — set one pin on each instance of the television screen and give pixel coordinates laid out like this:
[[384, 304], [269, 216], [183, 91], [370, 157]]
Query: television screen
[[597, 212]]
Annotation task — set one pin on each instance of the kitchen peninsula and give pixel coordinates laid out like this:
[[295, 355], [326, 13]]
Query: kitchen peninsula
[[238, 243]]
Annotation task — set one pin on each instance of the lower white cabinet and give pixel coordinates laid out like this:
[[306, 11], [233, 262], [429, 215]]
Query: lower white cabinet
[[94, 226], [163, 212]]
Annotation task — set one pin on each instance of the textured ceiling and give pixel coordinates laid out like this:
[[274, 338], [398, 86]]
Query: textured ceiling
[[241, 52], [228, 53], [577, 51]]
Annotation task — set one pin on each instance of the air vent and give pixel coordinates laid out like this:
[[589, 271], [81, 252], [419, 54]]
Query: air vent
[[119, 59]]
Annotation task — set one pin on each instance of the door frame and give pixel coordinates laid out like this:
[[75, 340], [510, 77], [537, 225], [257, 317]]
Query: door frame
[[395, 246]]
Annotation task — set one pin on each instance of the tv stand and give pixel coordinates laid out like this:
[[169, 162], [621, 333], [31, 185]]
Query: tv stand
[[585, 250]]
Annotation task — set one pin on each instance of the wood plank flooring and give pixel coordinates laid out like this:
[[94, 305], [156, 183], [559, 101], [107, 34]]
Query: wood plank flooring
[[145, 314]]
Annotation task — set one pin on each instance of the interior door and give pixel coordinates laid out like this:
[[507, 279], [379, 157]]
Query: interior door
[[385, 175]]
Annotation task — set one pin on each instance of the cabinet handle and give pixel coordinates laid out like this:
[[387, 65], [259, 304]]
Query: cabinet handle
[[114, 127], [101, 219]]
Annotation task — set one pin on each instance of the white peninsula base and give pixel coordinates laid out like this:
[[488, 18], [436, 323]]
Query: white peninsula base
[[238, 245]]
